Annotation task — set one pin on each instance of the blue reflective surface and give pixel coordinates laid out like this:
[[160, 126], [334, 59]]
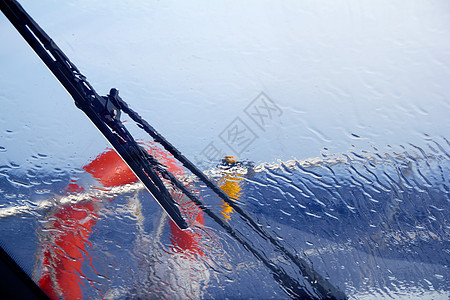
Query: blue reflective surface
[[343, 109]]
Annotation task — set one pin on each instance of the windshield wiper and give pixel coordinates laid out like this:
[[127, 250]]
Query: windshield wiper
[[105, 112]]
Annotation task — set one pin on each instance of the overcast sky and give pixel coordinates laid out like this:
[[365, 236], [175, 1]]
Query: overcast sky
[[367, 73]]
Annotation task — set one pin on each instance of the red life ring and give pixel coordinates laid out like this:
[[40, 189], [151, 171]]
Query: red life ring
[[73, 224]]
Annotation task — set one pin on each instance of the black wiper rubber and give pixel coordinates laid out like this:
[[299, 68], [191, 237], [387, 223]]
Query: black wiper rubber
[[105, 112], [15, 283]]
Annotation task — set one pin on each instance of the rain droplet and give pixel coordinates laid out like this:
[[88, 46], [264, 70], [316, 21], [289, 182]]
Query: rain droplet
[[439, 276]]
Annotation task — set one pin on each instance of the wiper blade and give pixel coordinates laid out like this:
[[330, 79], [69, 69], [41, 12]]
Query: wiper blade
[[103, 111]]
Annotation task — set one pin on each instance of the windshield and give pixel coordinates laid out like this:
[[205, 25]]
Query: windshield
[[326, 123]]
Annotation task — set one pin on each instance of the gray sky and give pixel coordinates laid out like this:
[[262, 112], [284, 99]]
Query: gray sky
[[343, 73]]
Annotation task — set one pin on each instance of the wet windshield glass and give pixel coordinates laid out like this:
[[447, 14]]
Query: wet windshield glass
[[326, 124]]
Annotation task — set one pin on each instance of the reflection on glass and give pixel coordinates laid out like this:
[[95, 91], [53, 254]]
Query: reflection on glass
[[230, 183]]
